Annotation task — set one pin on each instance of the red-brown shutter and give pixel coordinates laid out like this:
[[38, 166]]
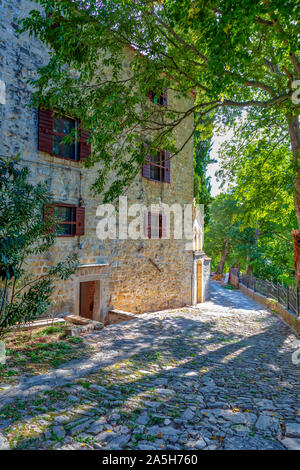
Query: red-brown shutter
[[80, 218], [149, 224], [163, 228], [146, 224], [150, 95], [167, 165], [165, 99], [45, 130], [160, 226], [84, 146], [48, 214], [146, 167]]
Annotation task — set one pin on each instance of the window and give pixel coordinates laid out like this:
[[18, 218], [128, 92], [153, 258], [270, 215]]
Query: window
[[155, 225], [71, 219], [161, 100], [67, 220], [53, 129], [61, 128], [157, 166]]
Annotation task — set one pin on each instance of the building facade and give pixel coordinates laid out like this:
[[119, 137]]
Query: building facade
[[132, 275]]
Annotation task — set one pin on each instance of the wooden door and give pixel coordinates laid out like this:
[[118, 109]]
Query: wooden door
[[199, 282], [87, 295]]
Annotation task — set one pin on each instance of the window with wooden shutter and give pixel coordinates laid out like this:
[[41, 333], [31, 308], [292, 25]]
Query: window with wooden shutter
[[165, 99], [163, 229], [84, 145], [45, 130], [53, 129], [62, 127], [80, 219], [156, 225], [48, 216], [70, 219], [150, 95], [157, 167], [146, 166], [167, 165], [66, 215], [161, 100]]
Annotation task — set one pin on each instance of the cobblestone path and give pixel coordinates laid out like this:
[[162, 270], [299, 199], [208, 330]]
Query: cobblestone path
[[219, 376]]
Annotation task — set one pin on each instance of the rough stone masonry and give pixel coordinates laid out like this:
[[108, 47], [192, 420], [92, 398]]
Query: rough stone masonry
[[124, 276]]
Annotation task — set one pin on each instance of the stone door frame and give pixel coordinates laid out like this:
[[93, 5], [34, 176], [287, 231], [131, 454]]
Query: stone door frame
[[198, 258], [91, 273]]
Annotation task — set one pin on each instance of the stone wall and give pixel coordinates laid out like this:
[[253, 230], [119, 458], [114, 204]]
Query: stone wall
[[200, 257], [128, 278], [118, 316], [287, 316], [206, 277], [234, 280]]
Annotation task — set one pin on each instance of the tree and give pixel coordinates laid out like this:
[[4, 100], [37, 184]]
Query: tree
[[202, 148], [261, 175], [24, 233], [234, 57], [263, 249], [222, 235]]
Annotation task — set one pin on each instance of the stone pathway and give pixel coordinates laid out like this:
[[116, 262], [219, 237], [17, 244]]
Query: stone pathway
[[219, 376]]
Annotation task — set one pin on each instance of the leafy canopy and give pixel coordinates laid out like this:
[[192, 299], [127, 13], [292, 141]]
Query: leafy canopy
[[263, 248], [233, 56]]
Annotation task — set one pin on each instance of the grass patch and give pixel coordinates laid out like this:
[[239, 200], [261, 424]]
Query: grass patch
[[34, 352]]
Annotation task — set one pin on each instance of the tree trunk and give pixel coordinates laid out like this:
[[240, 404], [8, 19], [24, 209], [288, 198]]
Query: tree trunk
[[249, 270], [294, 132], [221, 264]]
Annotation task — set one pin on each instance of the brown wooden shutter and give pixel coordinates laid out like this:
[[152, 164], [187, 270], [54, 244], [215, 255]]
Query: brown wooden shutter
[[146, 167], [48, 214], [84, 146], [167, 165], [149, 224], [165, 99], [45, 131], [146, 224], [80, 219], [150, 95], [163, 222], [160, 226]]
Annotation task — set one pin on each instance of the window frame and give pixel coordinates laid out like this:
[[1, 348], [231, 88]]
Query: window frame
[[160, 216], [161, 166], [71, 206], [162, 98], [76, 142]]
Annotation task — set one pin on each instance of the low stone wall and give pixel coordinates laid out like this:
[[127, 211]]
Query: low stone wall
[[117, 316], [273, 305], [41, 323]]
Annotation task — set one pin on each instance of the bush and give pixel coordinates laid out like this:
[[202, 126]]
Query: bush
[[24, 232]]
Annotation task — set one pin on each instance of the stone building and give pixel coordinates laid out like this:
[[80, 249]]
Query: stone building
[[131, 275]]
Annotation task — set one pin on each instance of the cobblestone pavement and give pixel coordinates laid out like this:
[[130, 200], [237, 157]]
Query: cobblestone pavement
[[219, 376]]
